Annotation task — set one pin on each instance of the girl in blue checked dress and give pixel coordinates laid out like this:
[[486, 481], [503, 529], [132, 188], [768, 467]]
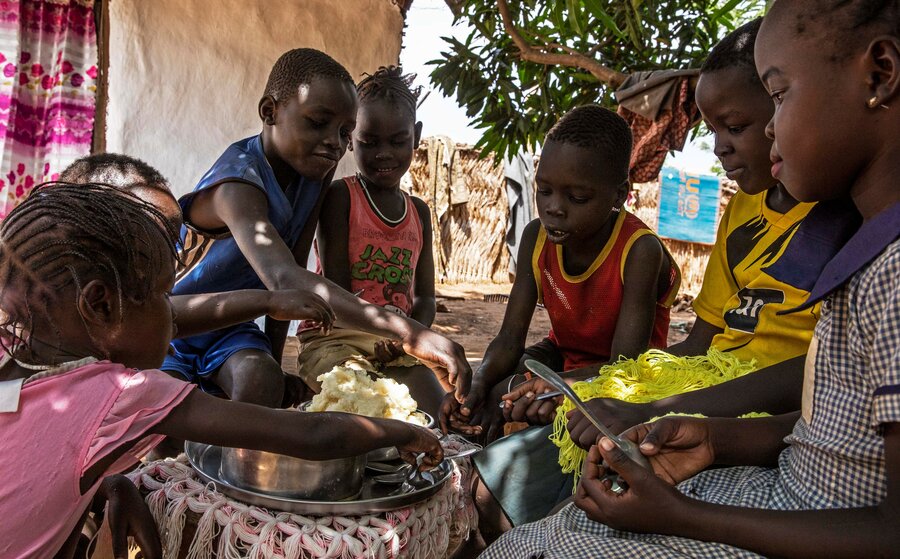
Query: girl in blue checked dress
[[823, 482]]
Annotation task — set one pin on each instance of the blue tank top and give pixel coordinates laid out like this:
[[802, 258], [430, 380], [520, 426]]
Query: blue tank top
[[211, 260]]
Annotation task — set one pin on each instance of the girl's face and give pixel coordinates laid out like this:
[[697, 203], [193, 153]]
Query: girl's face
[[736, 110], [818, 147], [573, 200], [311, 129], [383, 144], [141, 339]]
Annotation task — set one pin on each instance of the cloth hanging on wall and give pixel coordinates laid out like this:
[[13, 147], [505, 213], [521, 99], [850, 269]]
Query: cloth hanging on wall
[[519, 179], [659, 106], [48, 69]]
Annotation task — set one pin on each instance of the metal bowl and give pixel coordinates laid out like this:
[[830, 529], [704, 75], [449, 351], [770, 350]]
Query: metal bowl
[[294, 478]]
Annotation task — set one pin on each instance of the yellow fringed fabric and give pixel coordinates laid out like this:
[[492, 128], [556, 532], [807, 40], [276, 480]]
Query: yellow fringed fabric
[[653, 375]]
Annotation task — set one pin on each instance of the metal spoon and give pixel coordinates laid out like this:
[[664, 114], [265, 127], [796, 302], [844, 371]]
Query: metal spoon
[[406, 486], [629, 448], [395, 478]]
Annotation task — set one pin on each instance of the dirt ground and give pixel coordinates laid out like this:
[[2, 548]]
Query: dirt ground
[[471, 315]]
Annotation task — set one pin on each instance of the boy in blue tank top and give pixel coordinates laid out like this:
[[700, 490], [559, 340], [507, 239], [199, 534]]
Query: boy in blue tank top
[[249, 224]]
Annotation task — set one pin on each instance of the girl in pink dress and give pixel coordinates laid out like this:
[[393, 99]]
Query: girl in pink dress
[[85, 276]]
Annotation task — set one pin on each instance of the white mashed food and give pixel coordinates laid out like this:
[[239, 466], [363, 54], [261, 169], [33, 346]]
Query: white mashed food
[[350, 389]]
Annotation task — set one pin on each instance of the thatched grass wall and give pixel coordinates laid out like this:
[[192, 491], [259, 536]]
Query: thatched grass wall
[[469, 240]]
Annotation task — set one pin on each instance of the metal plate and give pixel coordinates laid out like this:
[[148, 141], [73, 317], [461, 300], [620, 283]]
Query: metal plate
[[373, 498]]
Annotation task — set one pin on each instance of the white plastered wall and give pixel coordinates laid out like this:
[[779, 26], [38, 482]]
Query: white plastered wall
[[185, 76]]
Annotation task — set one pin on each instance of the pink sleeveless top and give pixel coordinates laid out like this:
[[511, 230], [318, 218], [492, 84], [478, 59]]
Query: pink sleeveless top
[[382, 257]]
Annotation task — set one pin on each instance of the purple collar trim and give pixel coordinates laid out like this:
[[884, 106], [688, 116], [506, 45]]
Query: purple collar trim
[[872, 237]]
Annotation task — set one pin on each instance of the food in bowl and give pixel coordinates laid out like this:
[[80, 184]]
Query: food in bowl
[[350, 388]]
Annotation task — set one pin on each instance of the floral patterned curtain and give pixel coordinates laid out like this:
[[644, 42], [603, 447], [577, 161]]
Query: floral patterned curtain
[[48, 68]]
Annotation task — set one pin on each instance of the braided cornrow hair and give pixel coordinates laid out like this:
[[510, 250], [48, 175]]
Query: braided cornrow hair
[[389, 83], [67, 234]]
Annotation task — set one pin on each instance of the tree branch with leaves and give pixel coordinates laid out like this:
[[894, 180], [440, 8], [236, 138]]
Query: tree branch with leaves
[[524, 64]]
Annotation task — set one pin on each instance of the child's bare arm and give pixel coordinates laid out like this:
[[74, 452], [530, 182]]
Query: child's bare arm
[[333, 235], [505, 350], [424, 306], [857, 532], [203, 312], [640, 291], [244, 210], [775, 389], [698, 341], [314, 436]]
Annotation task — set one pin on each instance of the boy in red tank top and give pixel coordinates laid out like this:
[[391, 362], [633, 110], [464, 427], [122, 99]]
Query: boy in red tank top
[[604, 277], [374, 240]]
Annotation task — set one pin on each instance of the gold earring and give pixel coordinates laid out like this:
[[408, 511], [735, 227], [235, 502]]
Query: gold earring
[[872, 102]]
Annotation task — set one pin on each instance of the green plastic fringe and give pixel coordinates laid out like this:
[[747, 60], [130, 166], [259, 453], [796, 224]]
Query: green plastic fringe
[[653, 375]]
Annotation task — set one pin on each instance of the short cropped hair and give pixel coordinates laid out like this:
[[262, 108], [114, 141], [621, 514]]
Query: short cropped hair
[[127, 174], [844, 21], [596, 128], [735, 50], [301, 66], [115, 169]]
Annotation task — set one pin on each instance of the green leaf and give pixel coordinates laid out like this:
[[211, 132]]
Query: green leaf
[[572, 11], [730, 5], [595, 8]]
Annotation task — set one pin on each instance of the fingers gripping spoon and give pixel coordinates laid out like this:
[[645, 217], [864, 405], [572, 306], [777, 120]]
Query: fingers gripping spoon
[[629, 448]]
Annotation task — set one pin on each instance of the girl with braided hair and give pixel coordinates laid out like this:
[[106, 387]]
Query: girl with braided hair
[[374, 240], [85, 277]]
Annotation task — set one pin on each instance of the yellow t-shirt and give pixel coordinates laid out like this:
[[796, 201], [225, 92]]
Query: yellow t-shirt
[[739, 294]]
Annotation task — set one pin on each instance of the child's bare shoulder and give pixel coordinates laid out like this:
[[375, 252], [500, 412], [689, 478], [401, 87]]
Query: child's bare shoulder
[[336, 195]]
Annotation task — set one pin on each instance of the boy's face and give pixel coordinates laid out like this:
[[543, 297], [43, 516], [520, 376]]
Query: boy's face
[[384, 140], [311, 130], [737, 110], [818, 149], [574, 196]]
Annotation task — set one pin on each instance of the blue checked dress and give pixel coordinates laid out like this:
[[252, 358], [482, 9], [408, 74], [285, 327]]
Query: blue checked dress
[[835, 457]]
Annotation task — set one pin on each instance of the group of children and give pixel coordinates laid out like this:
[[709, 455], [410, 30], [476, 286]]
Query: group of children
[[106, 280]]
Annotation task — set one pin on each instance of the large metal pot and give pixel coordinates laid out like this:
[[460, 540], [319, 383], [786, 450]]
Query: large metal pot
[[295, 478]]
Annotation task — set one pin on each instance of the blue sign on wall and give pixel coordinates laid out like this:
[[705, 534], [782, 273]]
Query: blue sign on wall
[[688, 206]]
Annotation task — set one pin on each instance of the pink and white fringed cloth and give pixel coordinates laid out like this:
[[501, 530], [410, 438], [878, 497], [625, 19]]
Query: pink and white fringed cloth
[[229, 529]]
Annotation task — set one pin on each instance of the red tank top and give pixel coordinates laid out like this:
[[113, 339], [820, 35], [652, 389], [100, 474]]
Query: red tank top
[[382, 257], [584, 309]]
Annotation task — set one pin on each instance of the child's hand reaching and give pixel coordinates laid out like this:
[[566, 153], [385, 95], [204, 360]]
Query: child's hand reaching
[[451, 418], [388, 350], [296, 304], [422, 440], [446, 358], [615, 414], [521, 403], [128, 515]]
